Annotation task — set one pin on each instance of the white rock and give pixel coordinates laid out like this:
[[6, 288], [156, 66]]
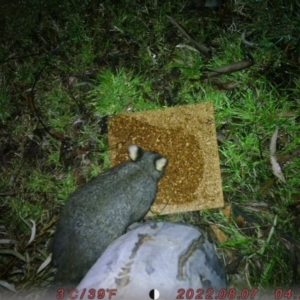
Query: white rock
[[167, 257]]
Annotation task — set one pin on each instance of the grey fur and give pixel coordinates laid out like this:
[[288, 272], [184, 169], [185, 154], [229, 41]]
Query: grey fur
[[100, 211]]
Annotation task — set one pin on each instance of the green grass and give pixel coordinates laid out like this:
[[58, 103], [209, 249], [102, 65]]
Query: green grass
[[104, 59], [119, 91]]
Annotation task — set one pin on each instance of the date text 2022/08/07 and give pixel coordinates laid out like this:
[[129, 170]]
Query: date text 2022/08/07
[[182, 294]]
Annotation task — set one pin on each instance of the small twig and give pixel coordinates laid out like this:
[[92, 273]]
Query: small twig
[[55, 135], [200, 47], [228, 69]]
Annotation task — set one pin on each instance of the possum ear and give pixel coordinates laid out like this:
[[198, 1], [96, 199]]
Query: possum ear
[[161, 163], [135, 152]]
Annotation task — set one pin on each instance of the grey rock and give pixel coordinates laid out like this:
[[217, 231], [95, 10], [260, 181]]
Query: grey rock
[[168, 257], [100, 211]]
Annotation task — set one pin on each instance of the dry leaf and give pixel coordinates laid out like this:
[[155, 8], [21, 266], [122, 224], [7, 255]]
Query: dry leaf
[[221, 236], [240, 221], [273, 142], [44, 264], [277, 169], [226, 210], [33, 232], [275, 165], [32, 228], [7, 285], [13, 252]]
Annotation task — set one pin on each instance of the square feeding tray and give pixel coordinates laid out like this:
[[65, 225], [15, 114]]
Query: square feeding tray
[[186, 135]]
